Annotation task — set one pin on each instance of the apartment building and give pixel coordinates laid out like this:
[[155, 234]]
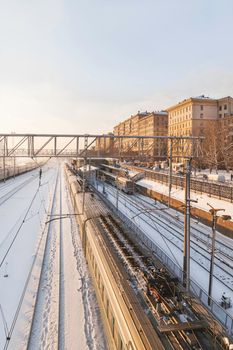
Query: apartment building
[[105, 145], [194, 116], [144, 124]]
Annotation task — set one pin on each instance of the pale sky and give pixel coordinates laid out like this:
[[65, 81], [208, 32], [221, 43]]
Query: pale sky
[[81, 66]]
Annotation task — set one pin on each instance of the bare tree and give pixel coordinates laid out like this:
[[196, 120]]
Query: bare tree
[[225, 144], [210, 147], [217, 148]]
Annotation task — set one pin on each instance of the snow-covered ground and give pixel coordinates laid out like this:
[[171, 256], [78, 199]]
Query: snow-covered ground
[[225, 173], [171, 245], [178, 193], [21, 222], [24, 208]]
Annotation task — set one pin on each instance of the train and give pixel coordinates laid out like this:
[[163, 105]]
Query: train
[[127, 326], [125, 185], [122, 183], [156, 316], [120, 177]]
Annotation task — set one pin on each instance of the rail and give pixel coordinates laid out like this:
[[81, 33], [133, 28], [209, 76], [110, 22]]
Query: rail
[[214, 308], [49, 285], [213, 189]]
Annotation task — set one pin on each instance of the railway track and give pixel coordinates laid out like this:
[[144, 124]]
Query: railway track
[[16, 229], [197, 233], [167, 314], [221, 191], [39, 245], [224, 252], [47, 328], [155, 222], [16, 189]]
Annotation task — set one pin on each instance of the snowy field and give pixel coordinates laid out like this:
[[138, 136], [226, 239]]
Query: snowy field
[[165, 235], [65, 281]]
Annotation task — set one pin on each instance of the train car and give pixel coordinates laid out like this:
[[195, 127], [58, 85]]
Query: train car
[[126, 324], [116, 170], [115, 265], [124, 184], [106, 177]]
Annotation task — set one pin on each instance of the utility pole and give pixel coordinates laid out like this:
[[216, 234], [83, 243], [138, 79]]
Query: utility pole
[[14, 153], [170, 174], [186, 257], [188, 200], [117, 197], [84, 171], [213, 212]]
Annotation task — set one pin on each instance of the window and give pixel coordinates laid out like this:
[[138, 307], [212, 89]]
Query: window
[[202, 107], [220, 108], [201, 115], [225, 106]]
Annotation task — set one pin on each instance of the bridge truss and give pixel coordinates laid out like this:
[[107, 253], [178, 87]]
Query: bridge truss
[[88, 145]]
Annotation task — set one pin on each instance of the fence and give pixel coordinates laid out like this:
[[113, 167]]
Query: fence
[[215, 309], [20, 169], [213, 189]]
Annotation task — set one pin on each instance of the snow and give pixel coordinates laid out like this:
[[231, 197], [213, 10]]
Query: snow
[[168, 241], [179, 194], [20, 232], [88, 168], [81, 324]]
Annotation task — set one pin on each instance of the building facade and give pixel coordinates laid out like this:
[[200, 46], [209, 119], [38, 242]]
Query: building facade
[[143, 124], [195, 117], [105, 146]]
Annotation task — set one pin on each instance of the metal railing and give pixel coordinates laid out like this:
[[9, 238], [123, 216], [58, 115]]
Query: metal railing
[[213, 189], [19, 169], [215, 309]]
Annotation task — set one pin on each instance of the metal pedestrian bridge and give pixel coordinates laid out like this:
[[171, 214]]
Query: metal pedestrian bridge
[[91, 145]]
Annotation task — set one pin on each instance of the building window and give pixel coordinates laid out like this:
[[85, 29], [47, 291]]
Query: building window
[[201, 115], [202, 107], [220, 108], [225, 106]]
